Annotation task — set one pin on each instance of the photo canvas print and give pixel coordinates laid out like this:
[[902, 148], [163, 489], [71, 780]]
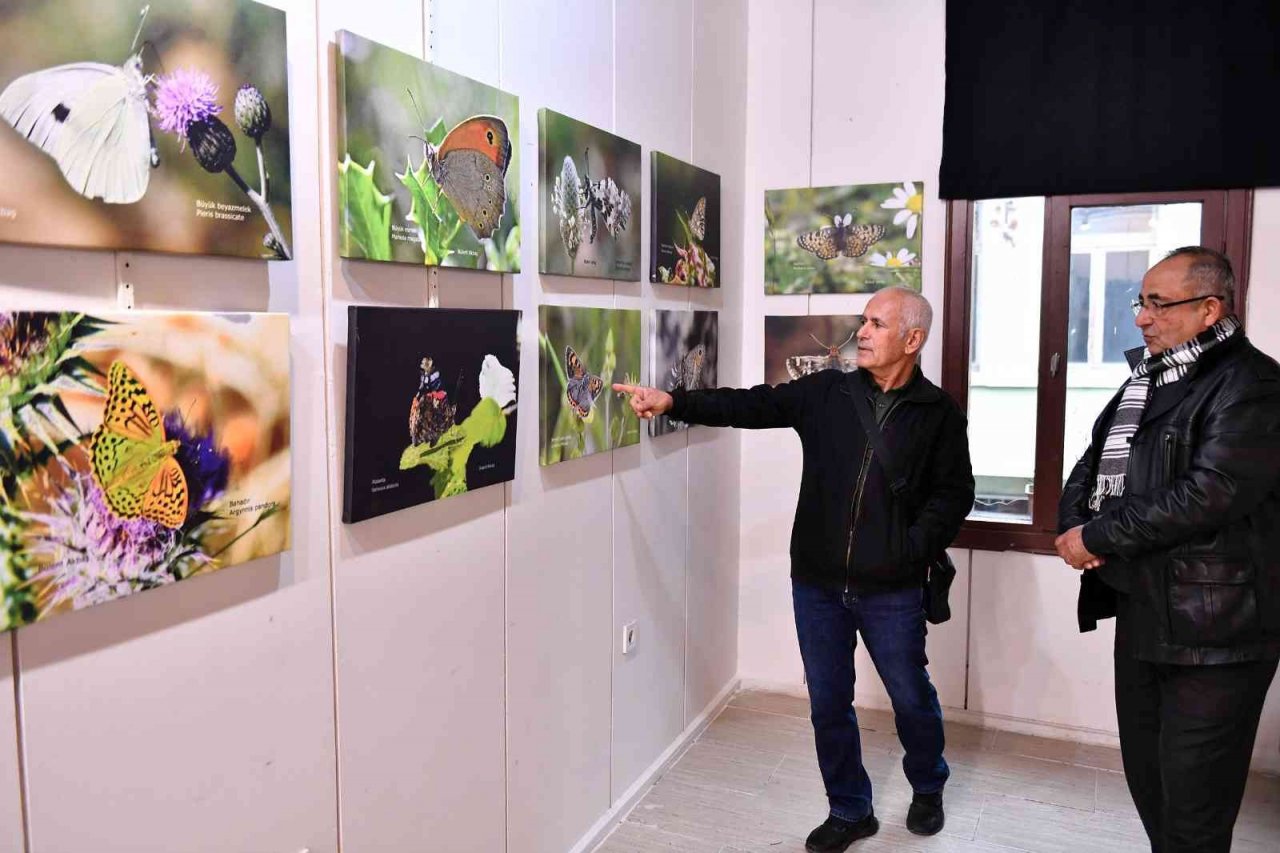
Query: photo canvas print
[[160, 126], [589, 185], [684, 240], [852, 239], [685, 352], [581, 353], [429, 162], [800, 345], [431, 405], [137, 449]]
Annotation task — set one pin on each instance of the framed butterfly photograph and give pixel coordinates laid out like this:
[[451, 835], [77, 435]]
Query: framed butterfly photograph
[[795, 346], [156, 125], [581, 353], [684, 353], [851, 239], [431, 405], [684, 233], [589, 197], [428, 162], [684, 236], [137, 450]]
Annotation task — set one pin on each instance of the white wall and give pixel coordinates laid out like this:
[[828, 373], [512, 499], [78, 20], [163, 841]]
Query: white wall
[[446, 677], [1011, 653]]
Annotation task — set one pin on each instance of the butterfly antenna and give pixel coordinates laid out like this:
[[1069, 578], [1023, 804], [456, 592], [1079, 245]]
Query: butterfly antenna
[[818, 342], [142, 19], [846, 340]]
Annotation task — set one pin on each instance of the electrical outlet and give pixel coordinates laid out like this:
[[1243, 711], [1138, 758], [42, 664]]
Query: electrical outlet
[[628, 638]]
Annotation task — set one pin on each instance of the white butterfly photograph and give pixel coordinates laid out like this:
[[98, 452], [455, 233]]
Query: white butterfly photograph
[[684, 350], [589, 187], [847, 239], [684, 237], [158, 126]]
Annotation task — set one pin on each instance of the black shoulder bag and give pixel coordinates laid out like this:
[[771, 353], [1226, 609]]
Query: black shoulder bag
[[940, 571]]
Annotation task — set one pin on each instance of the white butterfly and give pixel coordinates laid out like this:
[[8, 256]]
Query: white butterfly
[[93, 120]]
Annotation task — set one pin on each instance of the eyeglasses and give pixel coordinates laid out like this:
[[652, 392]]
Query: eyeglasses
[[1158, 308]]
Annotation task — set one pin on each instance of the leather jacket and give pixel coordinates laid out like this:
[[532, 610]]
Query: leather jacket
[[1198, 527]]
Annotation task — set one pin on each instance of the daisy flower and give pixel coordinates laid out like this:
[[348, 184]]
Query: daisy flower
[[910, 205], [902, 259]]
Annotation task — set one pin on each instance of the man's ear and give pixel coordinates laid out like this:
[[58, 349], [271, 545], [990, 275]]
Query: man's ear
[[915, 340], [1215, 310]]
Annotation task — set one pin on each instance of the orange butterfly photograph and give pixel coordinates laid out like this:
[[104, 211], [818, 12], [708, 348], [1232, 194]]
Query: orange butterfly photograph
[[137, 450], [428, 169]]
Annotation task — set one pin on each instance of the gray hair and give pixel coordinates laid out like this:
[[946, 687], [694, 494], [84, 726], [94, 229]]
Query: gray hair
[[1210, 274], [916, 312]]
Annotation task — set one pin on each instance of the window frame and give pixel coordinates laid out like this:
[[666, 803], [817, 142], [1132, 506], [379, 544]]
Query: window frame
[[1225, 224]]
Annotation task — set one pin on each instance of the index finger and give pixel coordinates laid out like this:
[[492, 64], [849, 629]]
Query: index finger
[[625, 389]]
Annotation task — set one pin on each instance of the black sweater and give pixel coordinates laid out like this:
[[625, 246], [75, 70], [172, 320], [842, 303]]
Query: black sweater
[[849, 531]]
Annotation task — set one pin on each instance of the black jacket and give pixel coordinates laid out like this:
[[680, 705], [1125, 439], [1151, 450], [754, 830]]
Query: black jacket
[[839, 541], [1198, 528]]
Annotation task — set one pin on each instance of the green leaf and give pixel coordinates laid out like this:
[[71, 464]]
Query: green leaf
[[486, 425], [366, 212], [434, 456], [421, 186]]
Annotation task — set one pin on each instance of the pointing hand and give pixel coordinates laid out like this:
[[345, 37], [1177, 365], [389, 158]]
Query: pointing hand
[[646, 402]]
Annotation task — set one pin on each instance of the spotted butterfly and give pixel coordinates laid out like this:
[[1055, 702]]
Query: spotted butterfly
[[698, 221], [841, 237], [432, 413], [583, 387], [687, 373]]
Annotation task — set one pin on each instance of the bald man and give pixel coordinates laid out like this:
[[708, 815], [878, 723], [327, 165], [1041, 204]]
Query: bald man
[[859, 552]]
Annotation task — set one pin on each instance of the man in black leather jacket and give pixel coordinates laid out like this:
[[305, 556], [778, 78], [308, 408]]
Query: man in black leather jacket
[[1173, 513], [858, 551]]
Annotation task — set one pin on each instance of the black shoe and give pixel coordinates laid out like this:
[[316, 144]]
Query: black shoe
[[925, 816], [836, 834]]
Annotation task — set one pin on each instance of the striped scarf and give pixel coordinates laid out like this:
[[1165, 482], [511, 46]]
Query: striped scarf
[[1169, 366]]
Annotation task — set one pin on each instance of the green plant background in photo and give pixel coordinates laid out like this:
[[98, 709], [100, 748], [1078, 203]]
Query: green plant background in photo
[[391, 209], [607, 342], [892, 259]]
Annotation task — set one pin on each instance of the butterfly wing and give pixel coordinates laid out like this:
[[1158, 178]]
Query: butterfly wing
[[111, 455], [476, 187], [91, 118], [698, 221], [471, 167], [821, 243], [129, 411], [484, 134], [165, 500], [859, 238]]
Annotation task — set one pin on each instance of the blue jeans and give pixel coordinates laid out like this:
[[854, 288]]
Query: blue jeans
[[893, 627]]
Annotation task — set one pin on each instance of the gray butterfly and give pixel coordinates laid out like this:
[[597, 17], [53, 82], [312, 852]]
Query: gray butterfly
[[687, 372]]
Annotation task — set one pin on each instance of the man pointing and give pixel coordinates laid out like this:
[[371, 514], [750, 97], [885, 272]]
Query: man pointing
[[859, 548]]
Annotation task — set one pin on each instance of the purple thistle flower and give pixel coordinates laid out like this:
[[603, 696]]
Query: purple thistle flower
[[183, 97], [206, 467]]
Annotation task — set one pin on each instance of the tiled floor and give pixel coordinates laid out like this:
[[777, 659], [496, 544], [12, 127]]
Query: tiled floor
[[750, 784]]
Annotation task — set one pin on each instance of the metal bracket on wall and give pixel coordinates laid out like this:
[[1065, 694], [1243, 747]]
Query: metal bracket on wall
[[433, 287]]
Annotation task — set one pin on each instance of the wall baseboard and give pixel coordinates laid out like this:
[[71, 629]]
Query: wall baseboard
[[632, 796]]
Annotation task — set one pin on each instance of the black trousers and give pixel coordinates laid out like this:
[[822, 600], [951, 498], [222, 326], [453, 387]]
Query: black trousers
[[1186, 737]]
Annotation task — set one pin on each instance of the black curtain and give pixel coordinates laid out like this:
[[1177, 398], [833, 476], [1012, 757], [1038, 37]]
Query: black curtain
[[1106, 96]]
